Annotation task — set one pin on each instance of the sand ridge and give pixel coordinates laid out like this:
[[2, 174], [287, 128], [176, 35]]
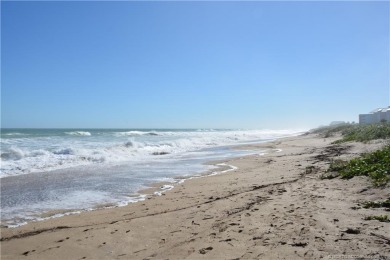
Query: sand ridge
[[270, 207]]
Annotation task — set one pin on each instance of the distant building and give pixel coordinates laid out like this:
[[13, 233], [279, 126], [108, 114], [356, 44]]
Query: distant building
[[375, 116]]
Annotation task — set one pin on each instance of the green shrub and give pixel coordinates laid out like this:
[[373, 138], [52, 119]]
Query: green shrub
[[377, 204], [375, 165], [381, 218]]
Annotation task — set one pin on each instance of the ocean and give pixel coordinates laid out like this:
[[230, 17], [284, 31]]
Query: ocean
[[54, 172]]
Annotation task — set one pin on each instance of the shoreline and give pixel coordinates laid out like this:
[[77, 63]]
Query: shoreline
[[266, 208], [150, 189]]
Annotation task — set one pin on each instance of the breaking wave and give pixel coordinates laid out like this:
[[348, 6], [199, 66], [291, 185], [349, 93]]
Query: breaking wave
[[136, 133], [22, 157], [14, 134], [12, 154], [79, 133]]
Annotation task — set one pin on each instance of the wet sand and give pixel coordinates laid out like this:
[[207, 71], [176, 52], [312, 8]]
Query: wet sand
[[273, 206]]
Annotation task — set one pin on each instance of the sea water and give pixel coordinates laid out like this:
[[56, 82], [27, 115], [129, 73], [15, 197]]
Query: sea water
[[70, 170]]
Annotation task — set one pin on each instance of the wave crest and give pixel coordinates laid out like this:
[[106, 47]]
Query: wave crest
[[66, 151], [136, 133], [59, 153], [14, 134], [12, 154], [79, 133]]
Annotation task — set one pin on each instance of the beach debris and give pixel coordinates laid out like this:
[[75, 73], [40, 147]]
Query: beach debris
[[194, 223], [226, 240], [205, 250], [300, 244], [352, 231], [33, 233]]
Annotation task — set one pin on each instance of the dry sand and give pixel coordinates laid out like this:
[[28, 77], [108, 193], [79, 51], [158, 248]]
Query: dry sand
[[271, 207]]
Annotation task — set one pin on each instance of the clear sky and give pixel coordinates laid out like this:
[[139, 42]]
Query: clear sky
[[192, 64]]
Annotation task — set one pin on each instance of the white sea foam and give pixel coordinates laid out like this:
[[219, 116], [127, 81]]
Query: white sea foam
[[230, 168], [14, 134], [135, 133], [79, 133], [163, 189], [29, 155], [13, 153], [66, 151], [35, 217]]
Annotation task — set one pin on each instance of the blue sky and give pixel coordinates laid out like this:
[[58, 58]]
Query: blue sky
[[192, 64]]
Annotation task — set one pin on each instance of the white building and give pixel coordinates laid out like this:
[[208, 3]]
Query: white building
[[375, 116]]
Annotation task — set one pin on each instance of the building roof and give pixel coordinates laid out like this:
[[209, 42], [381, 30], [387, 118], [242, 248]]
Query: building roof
[[380, 110]]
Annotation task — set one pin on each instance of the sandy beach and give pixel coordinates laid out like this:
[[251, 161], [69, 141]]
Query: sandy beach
[[268, 206]]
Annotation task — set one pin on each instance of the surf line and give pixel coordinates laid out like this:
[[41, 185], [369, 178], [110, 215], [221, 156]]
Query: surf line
[[213, 173], [166, 188], [136, 199], [272, 150]]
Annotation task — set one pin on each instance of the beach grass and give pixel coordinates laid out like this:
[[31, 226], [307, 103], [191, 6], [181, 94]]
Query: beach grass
[[365, 133], [355, 132], [381, 218], [377, 204]]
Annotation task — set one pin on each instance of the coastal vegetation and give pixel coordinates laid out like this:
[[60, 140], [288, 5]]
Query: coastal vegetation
[[355, 132], [375, 165], [381, 218], [377, 204], [365, 133]]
